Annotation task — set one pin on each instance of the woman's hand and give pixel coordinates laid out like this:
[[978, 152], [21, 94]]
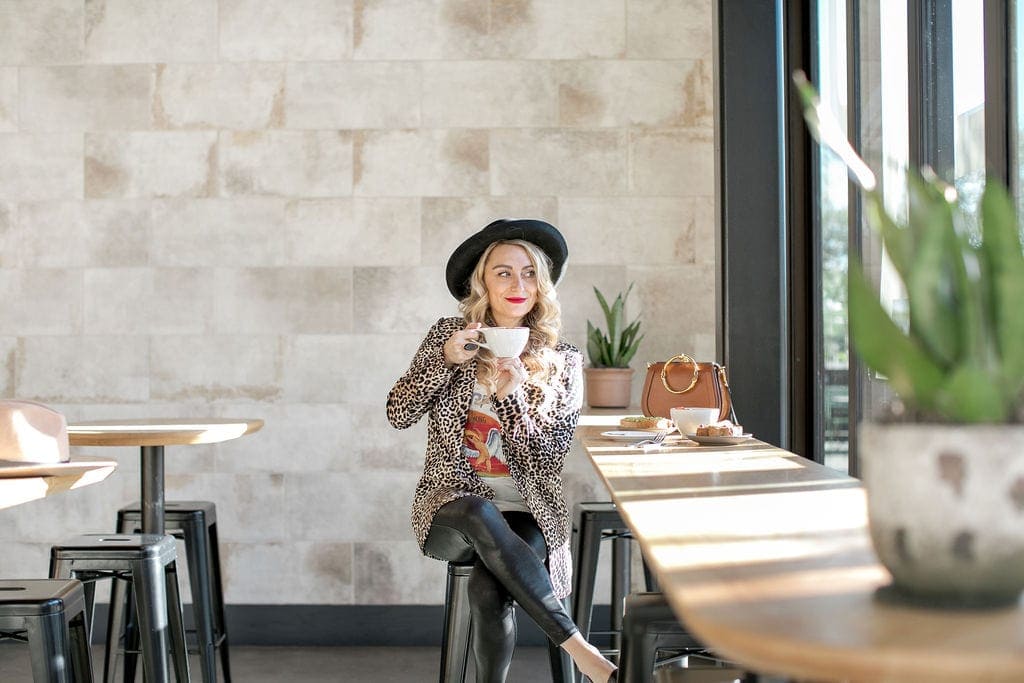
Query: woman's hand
[[455, 351], [511, 374]]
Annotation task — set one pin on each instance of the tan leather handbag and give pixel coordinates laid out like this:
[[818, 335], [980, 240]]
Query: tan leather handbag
[[682, 381]]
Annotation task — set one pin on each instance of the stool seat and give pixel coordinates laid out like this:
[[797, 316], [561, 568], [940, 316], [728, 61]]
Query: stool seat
[[148, 561], [195, 522], [458, 622], [51, 613]]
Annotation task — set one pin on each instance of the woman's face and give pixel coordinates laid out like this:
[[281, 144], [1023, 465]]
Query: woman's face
[[511, 282]]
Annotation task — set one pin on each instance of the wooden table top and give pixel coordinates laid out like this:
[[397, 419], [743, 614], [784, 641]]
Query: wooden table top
[[160, 431], [766, 557], [22, 482]]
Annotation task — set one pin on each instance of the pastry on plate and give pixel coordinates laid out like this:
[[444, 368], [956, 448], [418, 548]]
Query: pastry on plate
[[720, 428], [644, 422]]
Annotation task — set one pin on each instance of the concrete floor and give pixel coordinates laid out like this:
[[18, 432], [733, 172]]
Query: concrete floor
[[313, 664]]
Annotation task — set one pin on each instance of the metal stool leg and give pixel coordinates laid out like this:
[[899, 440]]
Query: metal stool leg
[[458, 621], [151, 608], [197, 553], [81, 653], [219, 618], [49, 642], [621, 575], [176, 624], [115, 624]]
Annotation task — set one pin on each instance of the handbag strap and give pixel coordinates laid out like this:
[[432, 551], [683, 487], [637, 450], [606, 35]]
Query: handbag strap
[[683, 358]]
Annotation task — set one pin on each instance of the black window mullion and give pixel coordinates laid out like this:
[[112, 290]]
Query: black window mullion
[[930, 55], [998, 114]]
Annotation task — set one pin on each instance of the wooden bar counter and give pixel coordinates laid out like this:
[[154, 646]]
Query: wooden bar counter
[[765, 556]]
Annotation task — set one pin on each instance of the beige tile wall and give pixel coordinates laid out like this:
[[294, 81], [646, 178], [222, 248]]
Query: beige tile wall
[[243, 207]]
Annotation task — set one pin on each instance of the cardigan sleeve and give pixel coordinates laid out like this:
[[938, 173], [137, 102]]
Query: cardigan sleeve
[[413, 394], [541, 423]]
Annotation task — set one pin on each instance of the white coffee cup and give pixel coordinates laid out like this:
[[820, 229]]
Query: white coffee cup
[[504, 342], [688, 419]]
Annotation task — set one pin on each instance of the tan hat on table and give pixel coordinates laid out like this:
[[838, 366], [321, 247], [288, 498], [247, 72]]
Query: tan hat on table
[[32, 432]]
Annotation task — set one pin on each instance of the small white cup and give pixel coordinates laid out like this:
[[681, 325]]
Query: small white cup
[[504, 342], [688, 419]]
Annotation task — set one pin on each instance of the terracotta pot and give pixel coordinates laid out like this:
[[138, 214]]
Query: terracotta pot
[[946, 510], [608, 387]]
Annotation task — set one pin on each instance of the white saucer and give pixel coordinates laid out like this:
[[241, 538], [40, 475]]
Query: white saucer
[[719, 440]]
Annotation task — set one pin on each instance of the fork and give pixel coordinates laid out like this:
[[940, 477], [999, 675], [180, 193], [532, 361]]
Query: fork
[[656, 441]]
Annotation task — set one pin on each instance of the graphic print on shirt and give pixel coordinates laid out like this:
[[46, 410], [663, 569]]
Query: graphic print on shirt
[[482, 440]]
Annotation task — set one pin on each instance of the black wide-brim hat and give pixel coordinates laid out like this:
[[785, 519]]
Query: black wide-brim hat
[[465, 257]]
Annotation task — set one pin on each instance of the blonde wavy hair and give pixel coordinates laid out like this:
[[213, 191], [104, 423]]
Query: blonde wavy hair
[[544, 319]]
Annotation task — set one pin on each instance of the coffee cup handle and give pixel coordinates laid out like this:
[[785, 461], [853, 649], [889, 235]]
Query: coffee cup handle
[[474, 345]]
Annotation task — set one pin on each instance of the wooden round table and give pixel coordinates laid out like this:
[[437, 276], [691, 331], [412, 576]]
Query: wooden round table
[[21, 482], [151, 435]]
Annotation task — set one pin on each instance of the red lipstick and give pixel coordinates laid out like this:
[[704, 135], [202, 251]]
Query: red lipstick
[[516, 299]]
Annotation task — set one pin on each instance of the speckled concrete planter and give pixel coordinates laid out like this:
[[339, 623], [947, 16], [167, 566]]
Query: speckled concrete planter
[[946, 509]]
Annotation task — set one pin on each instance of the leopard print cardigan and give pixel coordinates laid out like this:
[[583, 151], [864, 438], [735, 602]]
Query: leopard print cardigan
[[537, 430]]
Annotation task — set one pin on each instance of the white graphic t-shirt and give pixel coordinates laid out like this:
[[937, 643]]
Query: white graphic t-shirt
[[481, 444]]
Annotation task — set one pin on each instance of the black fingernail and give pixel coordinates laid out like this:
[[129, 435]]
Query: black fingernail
[[470, 346]]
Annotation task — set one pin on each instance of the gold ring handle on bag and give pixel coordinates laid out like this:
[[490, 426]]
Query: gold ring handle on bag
[[664, 373]]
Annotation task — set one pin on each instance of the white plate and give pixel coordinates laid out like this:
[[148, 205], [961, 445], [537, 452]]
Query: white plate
[[719, 440], [629, 435]]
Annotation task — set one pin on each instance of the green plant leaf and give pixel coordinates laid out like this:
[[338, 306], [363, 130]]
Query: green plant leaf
[[930, 282], [886, 349], [898, 240], [1003, 262], [968, 396]]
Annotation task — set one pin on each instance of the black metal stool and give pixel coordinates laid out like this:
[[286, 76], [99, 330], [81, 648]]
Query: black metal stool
[[649, 625], [458, 623], [595, 522], [148, 561], [195, 522], [51, 616]]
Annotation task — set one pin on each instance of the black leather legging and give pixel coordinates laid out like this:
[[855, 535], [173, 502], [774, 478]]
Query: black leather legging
[[509, 565]]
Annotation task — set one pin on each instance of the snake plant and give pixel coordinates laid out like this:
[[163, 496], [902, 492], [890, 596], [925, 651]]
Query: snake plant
[[961, 359], [616, 348]]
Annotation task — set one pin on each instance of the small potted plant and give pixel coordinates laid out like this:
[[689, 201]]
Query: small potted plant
[[944, 470], [609, 379]]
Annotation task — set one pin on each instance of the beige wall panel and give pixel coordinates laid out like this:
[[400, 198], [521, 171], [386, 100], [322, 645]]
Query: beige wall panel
[[41, 301], [673, 163], [132, 31], [558, 29], [301, 573], [10, 236], [148, 300], [421, 163], [218, 232], [628, 230], [447, 221], [249, 506], [40, 166], [558, 161], [8, 99], [358, 368], [40, 31], [705, 230], [397, 574], [655, 299], [669, 29], [400, 299], [359, 231], [8, 364], [286, 163], [77, 234], [350, 506], [381, 446], [221, 368], [420, 29], [87, 97], [234, 96], [283, 301], [489, 94], [353, 95], [164, 164], [635, 93], [84, 369], [296, 437], [284, 30]]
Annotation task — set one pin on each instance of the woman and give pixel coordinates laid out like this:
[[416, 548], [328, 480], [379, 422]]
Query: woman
[[498, 433]]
